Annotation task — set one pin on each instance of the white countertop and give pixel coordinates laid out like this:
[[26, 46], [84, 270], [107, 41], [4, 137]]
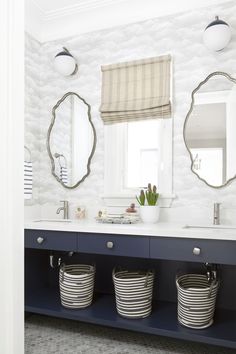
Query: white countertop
[[161, 229]]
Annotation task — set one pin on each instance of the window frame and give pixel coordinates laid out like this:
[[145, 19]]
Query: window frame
[[115, 138]]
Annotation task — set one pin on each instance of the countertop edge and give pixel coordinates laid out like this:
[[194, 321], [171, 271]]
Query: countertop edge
[[157, 230]]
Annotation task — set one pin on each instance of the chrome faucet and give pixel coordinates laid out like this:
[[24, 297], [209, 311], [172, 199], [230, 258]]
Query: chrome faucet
[[65, 209], [216, 217]]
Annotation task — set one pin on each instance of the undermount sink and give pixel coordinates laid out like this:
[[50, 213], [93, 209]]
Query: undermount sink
[[53, 220], [212, 227]]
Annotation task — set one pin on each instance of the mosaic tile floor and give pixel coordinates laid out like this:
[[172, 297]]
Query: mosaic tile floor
[[46, 335]]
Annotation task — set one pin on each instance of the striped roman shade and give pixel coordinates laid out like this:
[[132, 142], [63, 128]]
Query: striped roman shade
[[136, 90]]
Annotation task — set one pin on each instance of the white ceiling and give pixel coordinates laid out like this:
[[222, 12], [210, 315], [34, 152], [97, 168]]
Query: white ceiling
[[60, 5], [53, 19]]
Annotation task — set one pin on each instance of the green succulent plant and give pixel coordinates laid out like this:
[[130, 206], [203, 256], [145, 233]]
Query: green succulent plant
[[141, 198], [150, 195]]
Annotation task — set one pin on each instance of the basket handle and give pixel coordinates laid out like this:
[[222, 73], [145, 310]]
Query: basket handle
[[115, 269], [94, 266], [113, 273], [149, 272], [62, 268], [213, 282], [178, 274]]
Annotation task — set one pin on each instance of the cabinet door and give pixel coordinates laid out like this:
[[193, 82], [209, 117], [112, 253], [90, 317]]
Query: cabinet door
[[193, 250], [51, 240], [117, 245]]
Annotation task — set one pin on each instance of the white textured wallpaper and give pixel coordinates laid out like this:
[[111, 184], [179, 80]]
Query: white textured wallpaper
[[32, 111], [179, 35]]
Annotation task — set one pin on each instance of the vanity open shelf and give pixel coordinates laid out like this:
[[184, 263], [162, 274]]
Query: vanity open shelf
[[42, 288], [163, 320]]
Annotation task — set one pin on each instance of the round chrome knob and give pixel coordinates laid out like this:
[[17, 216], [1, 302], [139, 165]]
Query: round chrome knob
[[110, 244], [40, 240], [196, 251]]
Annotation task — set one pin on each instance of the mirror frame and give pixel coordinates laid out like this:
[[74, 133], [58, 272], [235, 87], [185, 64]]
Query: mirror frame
[[188, 116], [49, 136]]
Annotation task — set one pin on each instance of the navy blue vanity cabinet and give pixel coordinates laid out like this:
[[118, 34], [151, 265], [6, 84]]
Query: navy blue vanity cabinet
[[51, 240], [116, 245], [165, 255], [193, 250]]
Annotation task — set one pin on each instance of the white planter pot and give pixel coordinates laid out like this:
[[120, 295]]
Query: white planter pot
[[149, 213]]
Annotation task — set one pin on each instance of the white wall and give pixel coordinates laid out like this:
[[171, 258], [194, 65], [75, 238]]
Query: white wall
[[181, 35], [11, 176], [32, 108]]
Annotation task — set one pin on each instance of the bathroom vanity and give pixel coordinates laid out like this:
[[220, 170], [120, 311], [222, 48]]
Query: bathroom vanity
[[167, 250]]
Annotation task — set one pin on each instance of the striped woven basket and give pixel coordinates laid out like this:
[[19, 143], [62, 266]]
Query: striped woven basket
[[196, 300], [76, 285], [133, 291]]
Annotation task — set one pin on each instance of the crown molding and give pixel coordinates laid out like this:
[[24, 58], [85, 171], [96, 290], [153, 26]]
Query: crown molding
[[93, 15], [82, 6]]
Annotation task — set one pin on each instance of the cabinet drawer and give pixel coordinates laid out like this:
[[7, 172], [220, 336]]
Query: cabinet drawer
[[193, 250], [51, 240], [117, 245]]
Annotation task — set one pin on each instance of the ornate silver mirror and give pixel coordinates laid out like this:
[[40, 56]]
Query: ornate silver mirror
[[71, 140], [210, 130]]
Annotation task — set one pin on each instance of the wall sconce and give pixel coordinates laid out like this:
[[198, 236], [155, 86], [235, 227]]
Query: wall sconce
[[65, 64], [217, 35]]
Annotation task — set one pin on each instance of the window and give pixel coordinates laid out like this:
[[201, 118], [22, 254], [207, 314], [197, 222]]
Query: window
[[142, 154], [135, 108], [137, 153]]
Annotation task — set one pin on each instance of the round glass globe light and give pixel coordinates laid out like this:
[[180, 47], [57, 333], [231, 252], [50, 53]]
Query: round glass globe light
[[217, 37], [64, 64]]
